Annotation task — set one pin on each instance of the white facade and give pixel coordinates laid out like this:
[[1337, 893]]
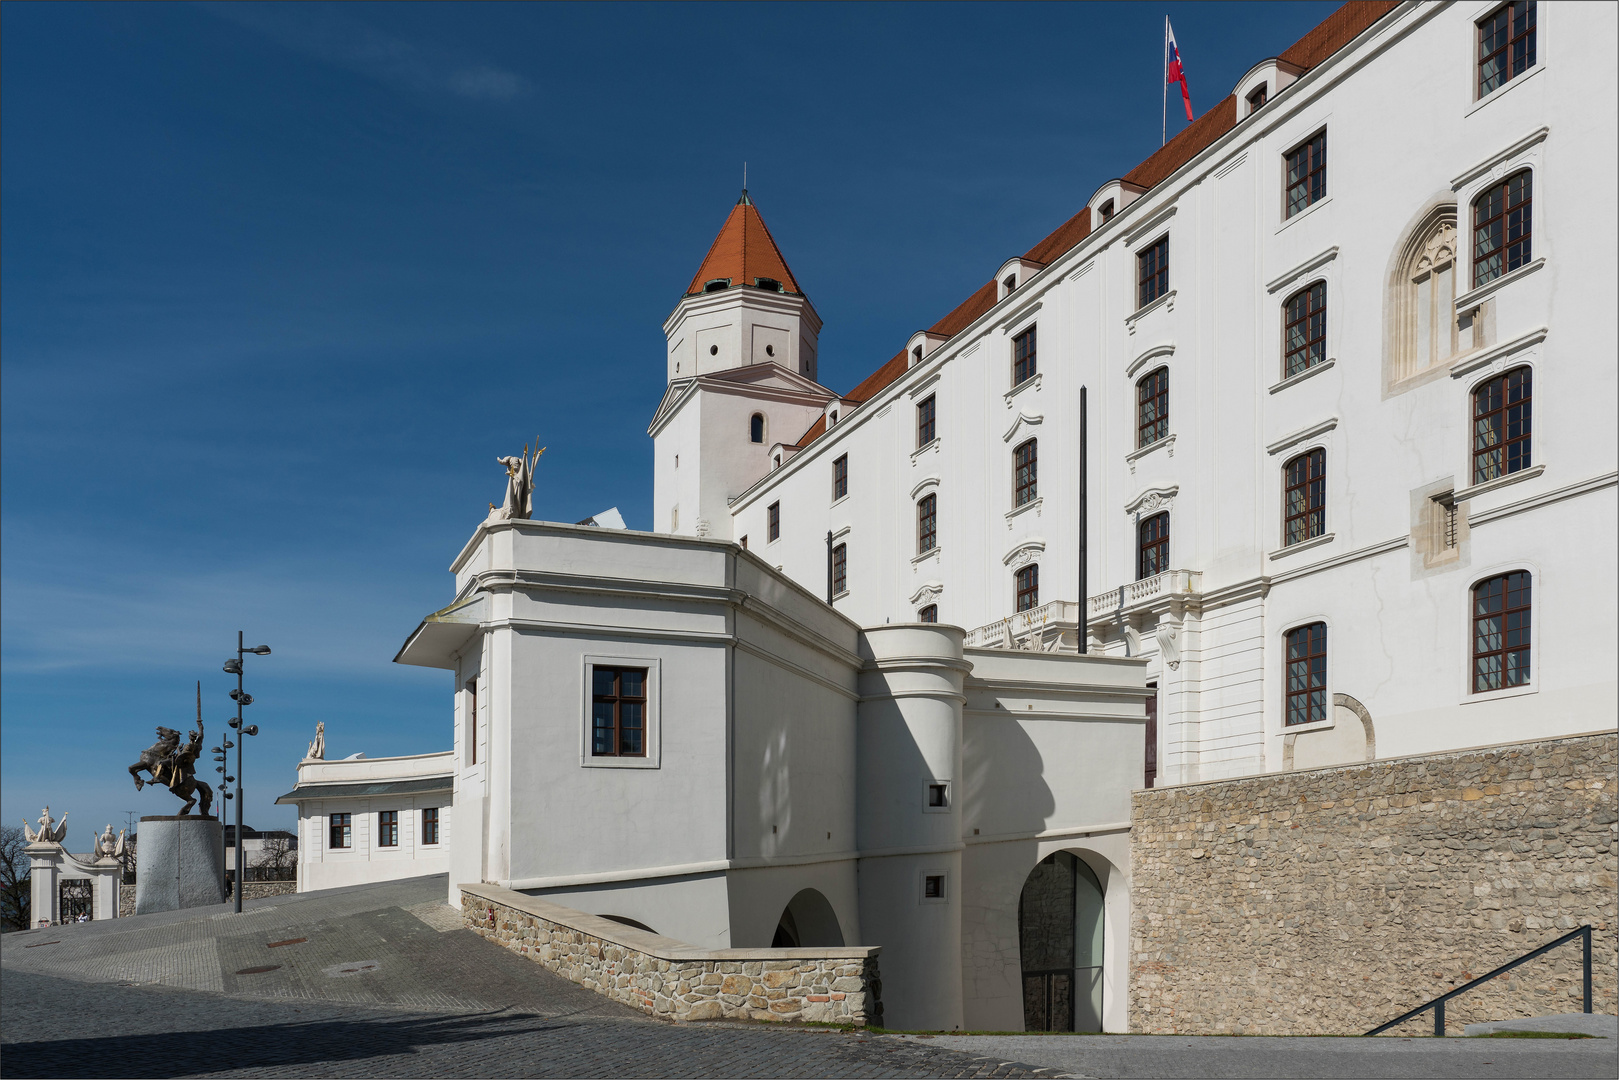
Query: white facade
[[1409, 146], [369, 846]]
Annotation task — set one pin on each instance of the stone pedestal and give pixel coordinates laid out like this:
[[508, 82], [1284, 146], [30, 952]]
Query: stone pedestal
[[177, 863]]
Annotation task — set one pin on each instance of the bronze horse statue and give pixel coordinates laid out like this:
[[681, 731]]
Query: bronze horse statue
[[175, 767]]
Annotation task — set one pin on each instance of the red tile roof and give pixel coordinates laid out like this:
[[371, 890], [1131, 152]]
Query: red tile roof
[[1335, 31], [743, 250]]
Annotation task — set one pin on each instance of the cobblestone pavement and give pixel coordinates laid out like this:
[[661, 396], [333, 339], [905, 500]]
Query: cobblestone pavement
[[370, 981]]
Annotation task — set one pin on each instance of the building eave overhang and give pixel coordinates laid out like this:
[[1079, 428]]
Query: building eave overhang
[[438, 641], [424, 785]]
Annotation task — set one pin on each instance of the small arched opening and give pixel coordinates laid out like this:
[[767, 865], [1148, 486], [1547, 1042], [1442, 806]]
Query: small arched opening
[[808, 922], [756, 428], [1060, 944]]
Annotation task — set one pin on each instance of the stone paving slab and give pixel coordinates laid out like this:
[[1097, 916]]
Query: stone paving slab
[[1593, 1024]]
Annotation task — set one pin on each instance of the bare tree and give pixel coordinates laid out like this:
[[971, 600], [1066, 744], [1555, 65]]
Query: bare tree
[[14, 883], [278, 859]]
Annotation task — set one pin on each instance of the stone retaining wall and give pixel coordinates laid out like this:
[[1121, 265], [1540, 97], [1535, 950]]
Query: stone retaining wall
[[1333, 900], [254, 890], [671, 980]]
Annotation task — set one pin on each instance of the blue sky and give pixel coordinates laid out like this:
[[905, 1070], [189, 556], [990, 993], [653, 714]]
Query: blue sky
[[279, 282]]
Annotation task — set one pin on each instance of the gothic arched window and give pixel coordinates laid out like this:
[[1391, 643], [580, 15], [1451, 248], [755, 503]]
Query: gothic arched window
[[1425, 331]]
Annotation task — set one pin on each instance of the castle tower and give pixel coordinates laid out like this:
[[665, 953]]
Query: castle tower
[[741, 378]]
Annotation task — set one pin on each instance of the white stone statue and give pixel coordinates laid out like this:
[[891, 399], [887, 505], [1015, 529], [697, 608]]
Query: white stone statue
[[519, 502], [46, 834], [109, 846], [317, 749]]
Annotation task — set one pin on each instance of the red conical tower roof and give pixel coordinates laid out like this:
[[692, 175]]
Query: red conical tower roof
[[744, 250]]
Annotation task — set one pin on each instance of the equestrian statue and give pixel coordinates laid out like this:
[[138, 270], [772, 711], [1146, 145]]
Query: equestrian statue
[[174, 766]]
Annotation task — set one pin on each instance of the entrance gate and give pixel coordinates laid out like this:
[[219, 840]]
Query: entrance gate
[[77, 898], [1060, 928]]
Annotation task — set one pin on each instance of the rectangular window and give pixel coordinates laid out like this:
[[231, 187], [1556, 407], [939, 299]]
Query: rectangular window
[[388, 828], [472, 722], [1501, 632], [924, 422], [1025, 473], [774, 531], [1023, 357], [1304, 329], [1152, 408], [840, 477], [1107, 211], [927, 523], [1501, 425], [340, 830], [928, 614], [840, 569], [1307, 674], [938, 796], [1153, 273], [1150, 771], [618, 712], [1027, 582], [744, 542], [1255, 100], [430, 825], [1152, 546], [1502, 228], [1506, 44], [1307, 173], [933, 887], [1304, 497]]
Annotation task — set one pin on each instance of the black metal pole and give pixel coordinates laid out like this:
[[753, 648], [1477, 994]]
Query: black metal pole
[[829, 566], [1084, 530], [236, 891], [1587, 937]]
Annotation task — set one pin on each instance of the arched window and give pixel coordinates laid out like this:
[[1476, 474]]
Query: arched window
[[756, 428], [1152, 407], [927, 524], [1307, 674], [1304, 329], [1501, 425], [1424, 294], [1501, 611], [928, 614], [1501, 228], [1027, 581], [1152, 546], [1304, 497], [1025, 481]]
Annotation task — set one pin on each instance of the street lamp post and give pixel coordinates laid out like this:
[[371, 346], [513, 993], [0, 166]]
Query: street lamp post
[[222, 757], [234, 667]]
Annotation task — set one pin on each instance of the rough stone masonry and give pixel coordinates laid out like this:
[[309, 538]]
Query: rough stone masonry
[[1333, 900], [672, 980]]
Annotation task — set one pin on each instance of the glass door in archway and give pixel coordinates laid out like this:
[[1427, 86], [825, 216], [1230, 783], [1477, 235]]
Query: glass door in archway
[[1060, 925]]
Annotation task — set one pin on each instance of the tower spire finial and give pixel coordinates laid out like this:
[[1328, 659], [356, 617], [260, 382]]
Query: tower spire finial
[[744, 200]]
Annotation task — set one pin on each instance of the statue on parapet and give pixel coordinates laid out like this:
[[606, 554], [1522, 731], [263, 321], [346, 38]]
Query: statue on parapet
[[317, 749], [109, 846], [46, 834], [519, 504]]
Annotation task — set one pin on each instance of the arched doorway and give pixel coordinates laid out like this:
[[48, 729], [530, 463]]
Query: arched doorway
[[808, 922], [1060, 925]]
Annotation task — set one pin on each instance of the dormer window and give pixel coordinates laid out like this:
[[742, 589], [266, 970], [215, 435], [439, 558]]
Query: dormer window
[[1259, 96], [717, 285], [1010, 283], [834, 415], [1107, 211], [916, 355], [767, 284]]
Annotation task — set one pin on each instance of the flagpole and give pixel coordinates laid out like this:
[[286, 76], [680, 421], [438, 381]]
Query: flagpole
[[1163, 127]]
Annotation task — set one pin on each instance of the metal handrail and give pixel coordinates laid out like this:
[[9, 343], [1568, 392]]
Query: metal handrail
[[1438, 1003]]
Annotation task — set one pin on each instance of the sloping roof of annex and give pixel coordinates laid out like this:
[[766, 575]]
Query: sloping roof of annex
[[1198, 140]]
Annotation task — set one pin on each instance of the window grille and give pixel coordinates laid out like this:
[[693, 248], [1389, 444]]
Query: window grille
[[1307, 174], [1304, 497], [1502, 425], [1506, 44], [1502, 220], [1025, 479], [1307, 674], [927, 524], [1028, 587], [1152, 278], [1152, 546], [1152, 407], [1304, 329], [1501, 609], [840, 569]]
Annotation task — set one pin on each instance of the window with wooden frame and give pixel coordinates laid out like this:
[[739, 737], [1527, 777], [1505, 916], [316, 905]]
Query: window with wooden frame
[[1152, 273], [1304, 497], [1304, 329], [1502, 424], [340, 830], [927, 523], [618, 712], [773, 516], [1502, 228], [1107, 211], [840, 569], [1501, 611], [1023, 357], [1025, 473], [388, 828], [1027, 583], [756, 428], [928, 614], [1307, 173], [925, 431], [840, 477], [1152, 407], [1307, 674], [1256, 98], [472, 722], [1506, 44], [1152, 545], [430, 825]]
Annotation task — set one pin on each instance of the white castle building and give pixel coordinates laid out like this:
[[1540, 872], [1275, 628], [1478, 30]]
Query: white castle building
[[1341, 359]]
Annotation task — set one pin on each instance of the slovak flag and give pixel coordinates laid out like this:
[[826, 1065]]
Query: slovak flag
[[1174, 73]]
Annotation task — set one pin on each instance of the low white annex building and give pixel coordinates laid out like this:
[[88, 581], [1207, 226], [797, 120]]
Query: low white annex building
[[1345, 355]]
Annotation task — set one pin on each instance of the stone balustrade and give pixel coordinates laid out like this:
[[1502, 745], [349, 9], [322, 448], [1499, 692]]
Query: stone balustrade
[[672, 980]]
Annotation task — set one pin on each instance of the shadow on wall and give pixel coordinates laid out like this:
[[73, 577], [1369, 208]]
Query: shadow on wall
[[808, 922], [1004, 790]]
